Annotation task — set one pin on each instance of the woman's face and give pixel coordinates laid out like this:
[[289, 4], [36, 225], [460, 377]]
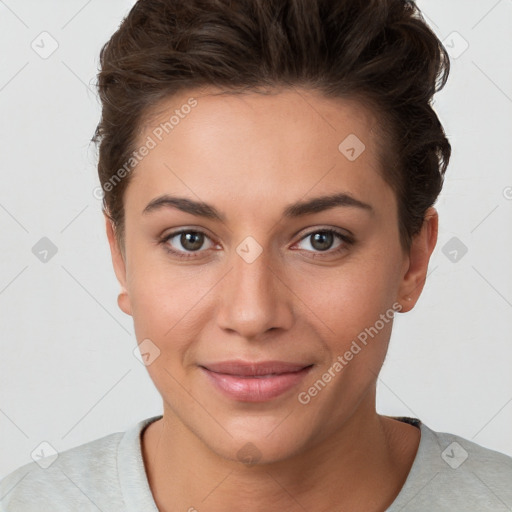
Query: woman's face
[[260, 279]]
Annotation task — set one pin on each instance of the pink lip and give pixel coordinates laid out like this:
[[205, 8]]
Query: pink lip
[[255, 382]]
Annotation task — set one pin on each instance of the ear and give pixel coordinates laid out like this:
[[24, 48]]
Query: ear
[[118, 262], [415, 272]]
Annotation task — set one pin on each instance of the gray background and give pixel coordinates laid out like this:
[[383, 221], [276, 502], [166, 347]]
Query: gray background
[[67, 371]]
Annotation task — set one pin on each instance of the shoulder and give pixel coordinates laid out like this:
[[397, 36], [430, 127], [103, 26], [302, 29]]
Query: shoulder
[[454, 473], [461, 458], [79, 478]]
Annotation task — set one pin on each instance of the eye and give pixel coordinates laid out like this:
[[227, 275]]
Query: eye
[[322, 240], [191, 241]]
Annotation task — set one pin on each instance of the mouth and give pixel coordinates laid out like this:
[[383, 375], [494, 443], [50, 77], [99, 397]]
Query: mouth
[[255, 381]]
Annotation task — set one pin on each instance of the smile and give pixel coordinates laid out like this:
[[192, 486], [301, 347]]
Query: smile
[[255, 382]]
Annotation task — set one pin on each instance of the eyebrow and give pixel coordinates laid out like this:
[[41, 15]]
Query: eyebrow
[[295, 210]]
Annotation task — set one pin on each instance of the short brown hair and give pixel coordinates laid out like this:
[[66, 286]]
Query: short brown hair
[[380, 52]]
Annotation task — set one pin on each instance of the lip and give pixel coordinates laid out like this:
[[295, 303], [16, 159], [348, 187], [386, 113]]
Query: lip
[[255, 381]]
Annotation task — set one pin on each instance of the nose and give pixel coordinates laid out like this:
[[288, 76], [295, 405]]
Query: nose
[[254, 299]]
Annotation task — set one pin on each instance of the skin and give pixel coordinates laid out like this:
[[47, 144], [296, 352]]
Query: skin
[[250, 156]]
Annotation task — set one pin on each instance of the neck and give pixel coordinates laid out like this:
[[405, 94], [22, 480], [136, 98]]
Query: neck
[[362, 466]]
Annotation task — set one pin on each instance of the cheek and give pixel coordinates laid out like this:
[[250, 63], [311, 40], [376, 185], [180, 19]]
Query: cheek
[[159, 302], [347, 299], [169, 305], [163, 312]]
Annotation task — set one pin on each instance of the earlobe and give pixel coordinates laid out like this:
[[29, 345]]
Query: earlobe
[[123, 301], [422, 246], [118, 262]]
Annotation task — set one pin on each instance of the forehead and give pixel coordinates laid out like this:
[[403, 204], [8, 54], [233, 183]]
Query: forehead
[[252, 146], [307, 117]]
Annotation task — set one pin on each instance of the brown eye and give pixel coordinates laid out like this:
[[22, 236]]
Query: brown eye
[[191, 240], [186, 242], [322, 241]]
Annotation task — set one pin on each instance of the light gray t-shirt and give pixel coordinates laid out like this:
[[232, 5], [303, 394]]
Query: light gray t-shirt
[[449, 473]]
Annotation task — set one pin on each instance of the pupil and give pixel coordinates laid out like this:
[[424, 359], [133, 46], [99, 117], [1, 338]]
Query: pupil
[[322, 240], [191, 241]]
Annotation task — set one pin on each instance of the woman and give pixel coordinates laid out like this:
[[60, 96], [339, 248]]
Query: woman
[[269, 172]]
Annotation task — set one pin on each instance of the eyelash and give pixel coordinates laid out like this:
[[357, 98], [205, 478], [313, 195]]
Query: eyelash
[[347, 241]]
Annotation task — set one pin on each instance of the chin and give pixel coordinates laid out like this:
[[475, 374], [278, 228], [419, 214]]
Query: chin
[[260, 442]]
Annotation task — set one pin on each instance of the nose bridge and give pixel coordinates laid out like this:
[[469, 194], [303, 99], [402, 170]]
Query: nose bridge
[[252, 300]]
